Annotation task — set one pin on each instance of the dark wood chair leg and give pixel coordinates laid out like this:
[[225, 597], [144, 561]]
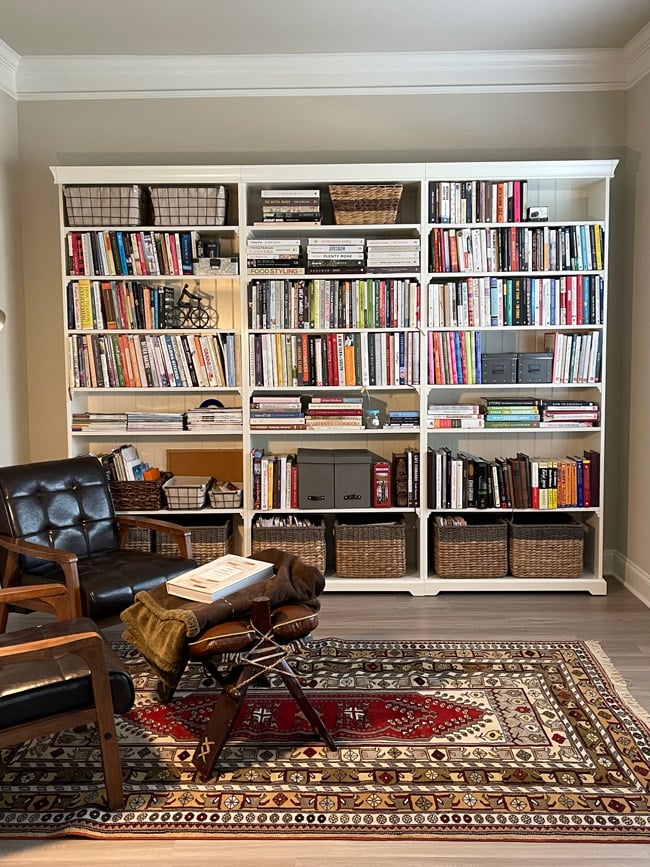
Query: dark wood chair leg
[[293, 685], [221, 722]]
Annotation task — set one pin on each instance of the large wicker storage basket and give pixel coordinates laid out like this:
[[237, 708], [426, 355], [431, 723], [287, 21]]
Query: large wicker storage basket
[[199, 206], [139, 496], [546, 547], [105, 206], [370, 550], [478, 550], [209, 541], [365, 204], [138, 539], [308, 543]]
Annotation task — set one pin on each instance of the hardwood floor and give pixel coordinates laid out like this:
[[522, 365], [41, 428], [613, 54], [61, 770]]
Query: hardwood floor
[[618, 621]]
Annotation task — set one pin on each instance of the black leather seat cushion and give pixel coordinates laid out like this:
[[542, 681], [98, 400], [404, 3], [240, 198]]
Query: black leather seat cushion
[[110, 580], [33, 690]]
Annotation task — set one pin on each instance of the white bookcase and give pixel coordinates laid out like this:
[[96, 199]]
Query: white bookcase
[[576, 194]]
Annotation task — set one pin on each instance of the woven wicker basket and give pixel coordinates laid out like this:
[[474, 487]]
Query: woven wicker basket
[[139, 496], [201, 206], [308, 543], [473, 551], [138, 539], [365, 204], [105, 206], [370, 550], [548, 547], [208, 542]]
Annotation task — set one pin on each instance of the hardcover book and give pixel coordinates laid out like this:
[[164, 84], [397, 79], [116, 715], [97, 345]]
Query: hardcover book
[[214, 580]]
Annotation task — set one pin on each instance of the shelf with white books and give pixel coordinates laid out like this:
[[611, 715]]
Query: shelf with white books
[[497, 258]]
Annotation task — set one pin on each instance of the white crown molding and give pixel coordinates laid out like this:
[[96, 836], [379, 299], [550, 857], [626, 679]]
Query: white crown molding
[[637, 56], [113, 77], [9, 62]]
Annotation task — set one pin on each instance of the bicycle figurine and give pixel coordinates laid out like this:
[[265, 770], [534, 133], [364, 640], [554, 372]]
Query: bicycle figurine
[[192, 310]]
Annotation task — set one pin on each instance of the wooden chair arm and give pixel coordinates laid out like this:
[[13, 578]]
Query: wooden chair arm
[[40, 552], [55, 597], [83, 644], [182, 535], [67, 560]]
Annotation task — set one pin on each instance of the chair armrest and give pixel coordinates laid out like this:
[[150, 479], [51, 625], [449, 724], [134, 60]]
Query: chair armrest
[[181, 535], [53, 597], [65, 559], [90, 647], [40, 552], [44, 648]]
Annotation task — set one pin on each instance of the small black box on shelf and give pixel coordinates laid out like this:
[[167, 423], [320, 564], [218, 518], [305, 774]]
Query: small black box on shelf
[[535, 367], [499, 368]]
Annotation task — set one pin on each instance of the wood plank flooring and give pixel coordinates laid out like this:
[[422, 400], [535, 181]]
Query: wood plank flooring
[[618, 621]]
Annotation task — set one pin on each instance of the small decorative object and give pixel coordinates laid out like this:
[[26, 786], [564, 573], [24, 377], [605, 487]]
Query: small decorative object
[[194, 311], [537, 214], [371, 418]]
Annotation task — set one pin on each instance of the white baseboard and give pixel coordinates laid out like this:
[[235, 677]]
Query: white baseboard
[[629, 574]]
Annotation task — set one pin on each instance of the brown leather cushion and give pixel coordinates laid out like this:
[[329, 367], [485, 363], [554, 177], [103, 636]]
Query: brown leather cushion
[[289, 622], [226, 637], [293, 621]]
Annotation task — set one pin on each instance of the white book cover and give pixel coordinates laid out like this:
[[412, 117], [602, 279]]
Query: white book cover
[[214, 580]]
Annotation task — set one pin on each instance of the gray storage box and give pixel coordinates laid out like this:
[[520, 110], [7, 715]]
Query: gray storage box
[[535, 367], [315, 478], [499, 368], [353, 479]]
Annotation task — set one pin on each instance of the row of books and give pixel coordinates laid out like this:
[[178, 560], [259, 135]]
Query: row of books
[[124, 464], [499, 301], [323, 303], [152, 360], [332, 254], [97, 305], [478, 201], [274, 481], [454, 357], [144, 253], [466, 481], [334, 359], [518, 248]]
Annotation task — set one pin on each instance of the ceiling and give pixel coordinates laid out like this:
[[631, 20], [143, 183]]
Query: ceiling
[[53, 47]]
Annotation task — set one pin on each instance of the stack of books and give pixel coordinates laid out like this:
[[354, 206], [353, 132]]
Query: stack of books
[[393, 254], [509, 412], [154, 421], [335, 254], [449, 415], [290, 206], [277, 412], [223, 419], [98, 422], [338, 412], [403, 418], [268, 256], [569, 413]]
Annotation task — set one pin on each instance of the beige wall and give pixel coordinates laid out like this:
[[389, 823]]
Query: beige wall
[[14, 430], [276, 130], [633, 532]]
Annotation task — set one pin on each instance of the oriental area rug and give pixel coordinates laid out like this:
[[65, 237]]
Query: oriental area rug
[[435, 740]]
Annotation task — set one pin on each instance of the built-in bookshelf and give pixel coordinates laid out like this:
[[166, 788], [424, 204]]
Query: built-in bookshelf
[[470, 324]]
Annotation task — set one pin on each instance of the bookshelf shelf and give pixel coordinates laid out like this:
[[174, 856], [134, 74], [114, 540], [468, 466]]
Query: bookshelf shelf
[[573, 195]]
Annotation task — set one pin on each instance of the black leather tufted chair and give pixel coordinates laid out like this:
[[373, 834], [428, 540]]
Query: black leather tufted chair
[[58, 524]]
